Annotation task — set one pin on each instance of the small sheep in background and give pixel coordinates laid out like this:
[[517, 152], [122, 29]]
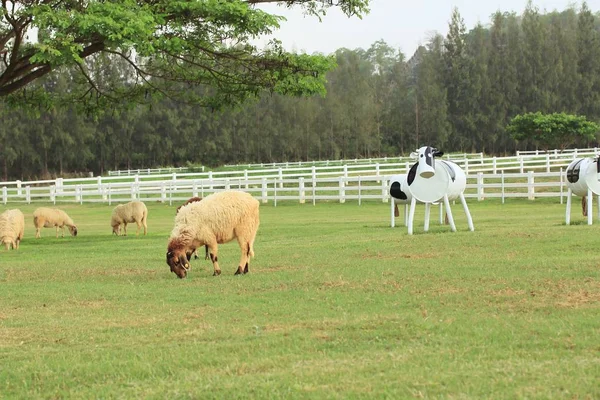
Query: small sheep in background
[[12, 227], [195, 252], [44, 217], [218, 218], [134, 211]]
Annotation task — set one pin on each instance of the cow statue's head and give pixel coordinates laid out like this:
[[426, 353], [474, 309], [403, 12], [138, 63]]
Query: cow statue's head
[[426, 160]]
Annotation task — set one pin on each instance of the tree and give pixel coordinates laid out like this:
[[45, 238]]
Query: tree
[[557, 130], [169, 45]]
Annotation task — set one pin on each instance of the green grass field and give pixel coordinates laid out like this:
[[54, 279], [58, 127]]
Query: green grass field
[[336, 305]]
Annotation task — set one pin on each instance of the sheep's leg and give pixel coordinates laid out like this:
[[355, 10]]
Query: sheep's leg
[[37, 232], [145, 224], [245, 247], [139, 225], [57, 232], [214, 251], [125, 228]]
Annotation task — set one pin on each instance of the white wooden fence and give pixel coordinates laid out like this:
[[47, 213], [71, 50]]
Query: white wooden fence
[[480, 186], [527, 175]]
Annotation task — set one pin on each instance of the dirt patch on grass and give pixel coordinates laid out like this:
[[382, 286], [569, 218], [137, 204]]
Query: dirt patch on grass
[[581, 298]]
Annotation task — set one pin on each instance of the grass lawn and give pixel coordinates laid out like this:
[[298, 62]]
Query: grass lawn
[[336, 305]]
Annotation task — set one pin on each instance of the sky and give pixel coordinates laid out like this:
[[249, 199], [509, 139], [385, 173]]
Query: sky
[[403, 24]]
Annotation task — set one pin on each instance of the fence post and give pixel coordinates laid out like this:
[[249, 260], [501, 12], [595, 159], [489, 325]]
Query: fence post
[[547, 162], [466, 166], [80, 189], [345, 171], [359, 200], [502, 185], [494, 164], [210, 180], [384, 191], [195, 188], [521, 164], [53, 194], [227, 184], [19, 191], [28, 194], [174, 180], [561, 185], [301, 191], [342, 190], [59, 185], [246, 178], [530, 183], [377, 172], [4, 195], [132, 188], [280, 174], [480, 191], [264, 192], [163, 192]]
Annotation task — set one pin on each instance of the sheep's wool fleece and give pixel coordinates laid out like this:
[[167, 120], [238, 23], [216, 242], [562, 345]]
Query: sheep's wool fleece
[[218, 214], [51, 217], [129, 212], [12, 225]]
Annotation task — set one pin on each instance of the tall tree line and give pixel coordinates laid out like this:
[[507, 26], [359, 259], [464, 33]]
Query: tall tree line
[[456, 92]]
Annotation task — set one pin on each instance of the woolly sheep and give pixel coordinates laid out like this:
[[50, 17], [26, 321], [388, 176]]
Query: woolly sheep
[[12, 227], [218, 218], [195, 252], [44, 217], [134, 211]]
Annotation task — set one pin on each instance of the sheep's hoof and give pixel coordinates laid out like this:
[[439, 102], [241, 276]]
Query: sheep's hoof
[[217, 272], [239, 271], [246, 269]]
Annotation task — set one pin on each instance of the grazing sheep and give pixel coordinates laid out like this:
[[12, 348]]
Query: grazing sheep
[[218, 218], [12, 227], [44, 217], [195, 252], [134, 211]]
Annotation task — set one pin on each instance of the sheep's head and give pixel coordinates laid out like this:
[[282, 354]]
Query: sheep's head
[[73, 230], [178, 261], [116, 229]]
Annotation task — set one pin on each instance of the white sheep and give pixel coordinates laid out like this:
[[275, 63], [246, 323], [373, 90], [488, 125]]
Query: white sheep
[[12, 227], [44, 217], [218, 218], [195, 252], [134, 211]]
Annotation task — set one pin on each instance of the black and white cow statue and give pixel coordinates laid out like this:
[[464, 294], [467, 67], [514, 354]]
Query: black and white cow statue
[[429, 181], [583, 179]]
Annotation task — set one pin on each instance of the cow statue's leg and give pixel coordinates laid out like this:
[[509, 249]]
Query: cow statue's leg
[[449, 213], [411, 215], [568, 213], [590, 214], [467, 212], [427, 214]]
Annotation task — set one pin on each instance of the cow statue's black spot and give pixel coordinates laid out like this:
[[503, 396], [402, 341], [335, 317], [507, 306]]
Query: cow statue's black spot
[[396, 191]]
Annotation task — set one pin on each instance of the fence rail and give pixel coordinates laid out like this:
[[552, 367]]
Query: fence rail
[[480, 186], [528, 174]]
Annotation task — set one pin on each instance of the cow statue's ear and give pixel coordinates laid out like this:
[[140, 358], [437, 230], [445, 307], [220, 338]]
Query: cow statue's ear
[[414, 154], [438, 153]]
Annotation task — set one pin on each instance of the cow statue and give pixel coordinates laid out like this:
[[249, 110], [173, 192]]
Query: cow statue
[[583, 179], [429, 181]]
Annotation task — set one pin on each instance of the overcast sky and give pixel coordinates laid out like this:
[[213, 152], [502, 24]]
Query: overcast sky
[[403, 24]]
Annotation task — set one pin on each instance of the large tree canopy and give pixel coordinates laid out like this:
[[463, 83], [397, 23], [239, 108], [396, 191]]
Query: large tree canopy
[[170, 46], [556, 130]]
